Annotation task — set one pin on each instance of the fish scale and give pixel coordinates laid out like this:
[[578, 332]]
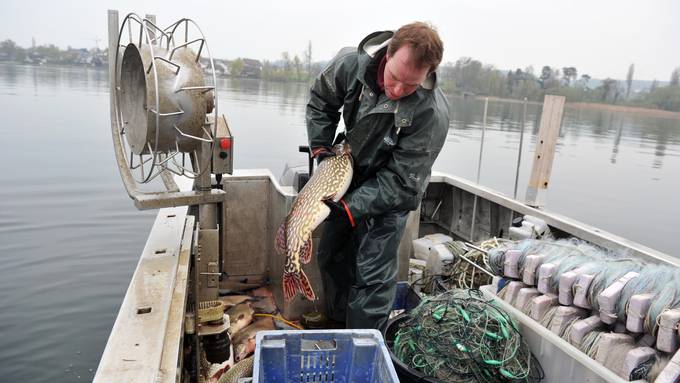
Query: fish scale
[[294, 239]]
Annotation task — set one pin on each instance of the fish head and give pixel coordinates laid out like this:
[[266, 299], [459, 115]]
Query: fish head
[[244, 349], [342, 149], [241, 351]]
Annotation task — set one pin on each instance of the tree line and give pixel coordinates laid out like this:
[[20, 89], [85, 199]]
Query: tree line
[[465, 76], [469, 76]]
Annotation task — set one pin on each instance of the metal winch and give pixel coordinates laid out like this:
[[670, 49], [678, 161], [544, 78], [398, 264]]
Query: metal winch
[[165, 122]]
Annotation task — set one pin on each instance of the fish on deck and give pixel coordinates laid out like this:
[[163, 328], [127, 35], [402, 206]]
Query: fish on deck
[[240, 316], [294, 237], [244, 340], [265, 305], [233, 300]]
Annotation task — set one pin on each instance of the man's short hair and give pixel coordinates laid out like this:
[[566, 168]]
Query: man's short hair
[[427, 47]]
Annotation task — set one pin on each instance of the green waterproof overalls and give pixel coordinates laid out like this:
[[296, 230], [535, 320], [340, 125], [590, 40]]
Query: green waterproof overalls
[[394, 144]]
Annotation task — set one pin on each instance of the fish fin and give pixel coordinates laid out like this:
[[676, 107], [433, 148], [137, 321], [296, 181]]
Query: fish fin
[[281, 239], [291, 285], [294, 282], [305, 286], [306, 252]]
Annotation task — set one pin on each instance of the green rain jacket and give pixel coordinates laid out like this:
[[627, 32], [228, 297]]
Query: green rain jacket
[[393, 143]]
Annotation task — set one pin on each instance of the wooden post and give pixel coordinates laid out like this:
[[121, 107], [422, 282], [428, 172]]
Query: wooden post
[[551, 119]]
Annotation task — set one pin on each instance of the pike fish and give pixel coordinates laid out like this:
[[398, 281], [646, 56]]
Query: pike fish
[[241, 369], [294, 237]]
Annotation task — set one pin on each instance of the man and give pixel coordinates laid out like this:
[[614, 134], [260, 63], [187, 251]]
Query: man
[[396, 121]]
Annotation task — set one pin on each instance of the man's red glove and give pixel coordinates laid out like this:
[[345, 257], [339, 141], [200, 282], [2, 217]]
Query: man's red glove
[[340, 210]]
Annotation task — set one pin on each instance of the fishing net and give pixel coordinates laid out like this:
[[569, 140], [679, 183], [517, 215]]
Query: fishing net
[[460, 336]]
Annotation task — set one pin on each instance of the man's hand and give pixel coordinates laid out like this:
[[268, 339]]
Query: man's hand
[[321, 153], [339, 210]]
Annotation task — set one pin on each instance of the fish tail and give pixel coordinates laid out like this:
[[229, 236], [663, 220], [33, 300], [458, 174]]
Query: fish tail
[[294, 282], [306, 287], [280, 244], [291, 283]]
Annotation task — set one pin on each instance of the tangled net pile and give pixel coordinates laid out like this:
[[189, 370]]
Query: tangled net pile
[[460, 336]]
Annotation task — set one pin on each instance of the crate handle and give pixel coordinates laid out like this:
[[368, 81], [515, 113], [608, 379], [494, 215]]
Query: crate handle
[[318, 345]]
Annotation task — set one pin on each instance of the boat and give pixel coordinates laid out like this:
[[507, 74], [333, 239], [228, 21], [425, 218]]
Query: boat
[[215, 231]]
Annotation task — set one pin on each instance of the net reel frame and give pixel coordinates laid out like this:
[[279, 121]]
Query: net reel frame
[[162, 44]]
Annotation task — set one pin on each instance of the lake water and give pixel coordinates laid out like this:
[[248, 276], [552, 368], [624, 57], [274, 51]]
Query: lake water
[[70, 237]]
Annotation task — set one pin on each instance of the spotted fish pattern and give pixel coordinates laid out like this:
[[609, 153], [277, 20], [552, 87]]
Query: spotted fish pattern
[[294, 237]]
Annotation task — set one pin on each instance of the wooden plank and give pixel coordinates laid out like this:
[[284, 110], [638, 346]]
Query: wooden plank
[[133, 351], [551, 120]]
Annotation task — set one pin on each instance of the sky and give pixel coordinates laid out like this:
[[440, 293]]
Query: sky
[[598, 37]]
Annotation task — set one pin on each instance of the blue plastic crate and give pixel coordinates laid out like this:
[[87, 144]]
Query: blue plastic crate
[[329, 356]]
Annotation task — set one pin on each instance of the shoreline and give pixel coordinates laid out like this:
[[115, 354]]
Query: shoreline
[[636, 110]]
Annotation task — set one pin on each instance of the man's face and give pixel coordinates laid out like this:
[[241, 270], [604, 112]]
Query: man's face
[[402, 77]]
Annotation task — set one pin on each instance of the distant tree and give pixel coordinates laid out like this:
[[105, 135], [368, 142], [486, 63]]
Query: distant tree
[[675, 77], [297, 64], [308, 59], [8, 45], [236, 67], [585, 79], [546, 72], [512, 80], [569, 74], [11, 50], [609, 90], [629, 80], [494, 80], [549, 78], [285, 57], [267, 70], [665, 97], [655, 84], [467, 74]]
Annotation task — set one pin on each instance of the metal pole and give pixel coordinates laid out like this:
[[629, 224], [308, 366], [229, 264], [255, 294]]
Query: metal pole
[[481, 144], [485, 271], [519, 155], [479, 168]]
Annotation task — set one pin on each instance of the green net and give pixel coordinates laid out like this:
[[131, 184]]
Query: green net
[[460, 336]]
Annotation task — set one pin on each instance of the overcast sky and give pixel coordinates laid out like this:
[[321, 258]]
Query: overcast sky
[[598, 37]]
